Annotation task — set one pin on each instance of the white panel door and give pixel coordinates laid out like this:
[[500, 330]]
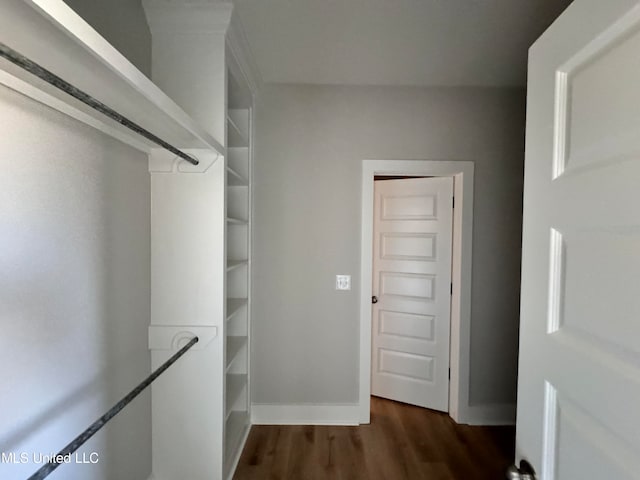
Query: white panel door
[[579, 380], [412, 231]]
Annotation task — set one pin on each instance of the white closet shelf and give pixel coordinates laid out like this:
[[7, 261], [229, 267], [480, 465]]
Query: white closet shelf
[[236, 221], [234, 345], [238, 161], [234, 179], [237, 153], [235, 136], [235, 426], [236, 383], [67, 46], [233, 264], [233, 305]]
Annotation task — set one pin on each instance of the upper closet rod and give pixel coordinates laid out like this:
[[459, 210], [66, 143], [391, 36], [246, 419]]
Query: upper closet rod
[[51, 78]]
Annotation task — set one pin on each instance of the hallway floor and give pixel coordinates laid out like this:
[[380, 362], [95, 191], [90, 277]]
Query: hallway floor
[[402, 442]]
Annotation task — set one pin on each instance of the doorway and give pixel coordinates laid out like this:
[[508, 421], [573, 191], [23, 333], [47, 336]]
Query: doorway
[[462, 172]]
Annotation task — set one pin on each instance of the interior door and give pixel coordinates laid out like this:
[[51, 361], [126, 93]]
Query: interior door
[[412, 290], [579, 380]]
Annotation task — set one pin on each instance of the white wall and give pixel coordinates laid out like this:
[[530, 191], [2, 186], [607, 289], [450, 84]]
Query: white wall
[[74, 291], [309, 147], [123, 24]]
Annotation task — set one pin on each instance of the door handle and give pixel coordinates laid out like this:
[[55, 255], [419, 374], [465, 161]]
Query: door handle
[[525, 472], [374, 299]]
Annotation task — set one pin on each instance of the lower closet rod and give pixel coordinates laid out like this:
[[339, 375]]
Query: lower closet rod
[[77, 442]]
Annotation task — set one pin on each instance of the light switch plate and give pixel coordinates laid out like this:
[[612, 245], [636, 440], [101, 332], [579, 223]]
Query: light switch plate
[[343, 282]]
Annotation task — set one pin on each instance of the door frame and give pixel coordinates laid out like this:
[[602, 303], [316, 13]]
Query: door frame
[[459, 351]]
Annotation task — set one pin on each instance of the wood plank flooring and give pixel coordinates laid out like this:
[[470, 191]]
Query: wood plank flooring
[[402, 442]]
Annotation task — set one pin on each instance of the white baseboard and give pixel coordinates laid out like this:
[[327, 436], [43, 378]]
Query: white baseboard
[[304, 414], [491, 414]]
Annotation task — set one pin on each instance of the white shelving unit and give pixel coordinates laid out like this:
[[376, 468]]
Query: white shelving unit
[[238, 261], [197, 433], [200, 275]]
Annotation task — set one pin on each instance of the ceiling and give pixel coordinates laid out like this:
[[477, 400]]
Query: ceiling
[[395, 42]]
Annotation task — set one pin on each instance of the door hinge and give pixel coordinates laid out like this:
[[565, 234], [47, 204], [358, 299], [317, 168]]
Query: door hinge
[[449, 373], [451, 288], [453, 202]]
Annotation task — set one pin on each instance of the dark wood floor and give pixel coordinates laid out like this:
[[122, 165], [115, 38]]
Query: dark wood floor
[[402, 442]]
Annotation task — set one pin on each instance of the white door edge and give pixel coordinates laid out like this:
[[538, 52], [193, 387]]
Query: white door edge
[[462, 171]]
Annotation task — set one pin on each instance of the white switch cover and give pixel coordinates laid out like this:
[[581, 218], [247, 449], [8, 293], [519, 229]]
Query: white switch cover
[[343, 282]]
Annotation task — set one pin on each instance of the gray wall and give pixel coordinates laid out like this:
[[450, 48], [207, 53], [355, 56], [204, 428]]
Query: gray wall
[[74, 291], [123, 24], [74, 276], [309, 147]]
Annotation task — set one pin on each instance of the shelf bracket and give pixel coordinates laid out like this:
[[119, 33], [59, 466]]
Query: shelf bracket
[[173, 337]]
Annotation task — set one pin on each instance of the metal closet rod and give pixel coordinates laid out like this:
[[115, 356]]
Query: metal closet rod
[[77, 442], [52, 79]]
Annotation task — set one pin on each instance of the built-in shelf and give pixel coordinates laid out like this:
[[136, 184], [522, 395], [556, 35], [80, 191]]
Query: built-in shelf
[[233, 264], [234, 345], [235, 426], [234, 179], [233, 305], [236, 221], [237, 326], [236, 383], [238, 160], [235, 136]]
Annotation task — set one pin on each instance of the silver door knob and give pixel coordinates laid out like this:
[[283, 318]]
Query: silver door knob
[[525, 472], [513, 473], [374, 299]]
